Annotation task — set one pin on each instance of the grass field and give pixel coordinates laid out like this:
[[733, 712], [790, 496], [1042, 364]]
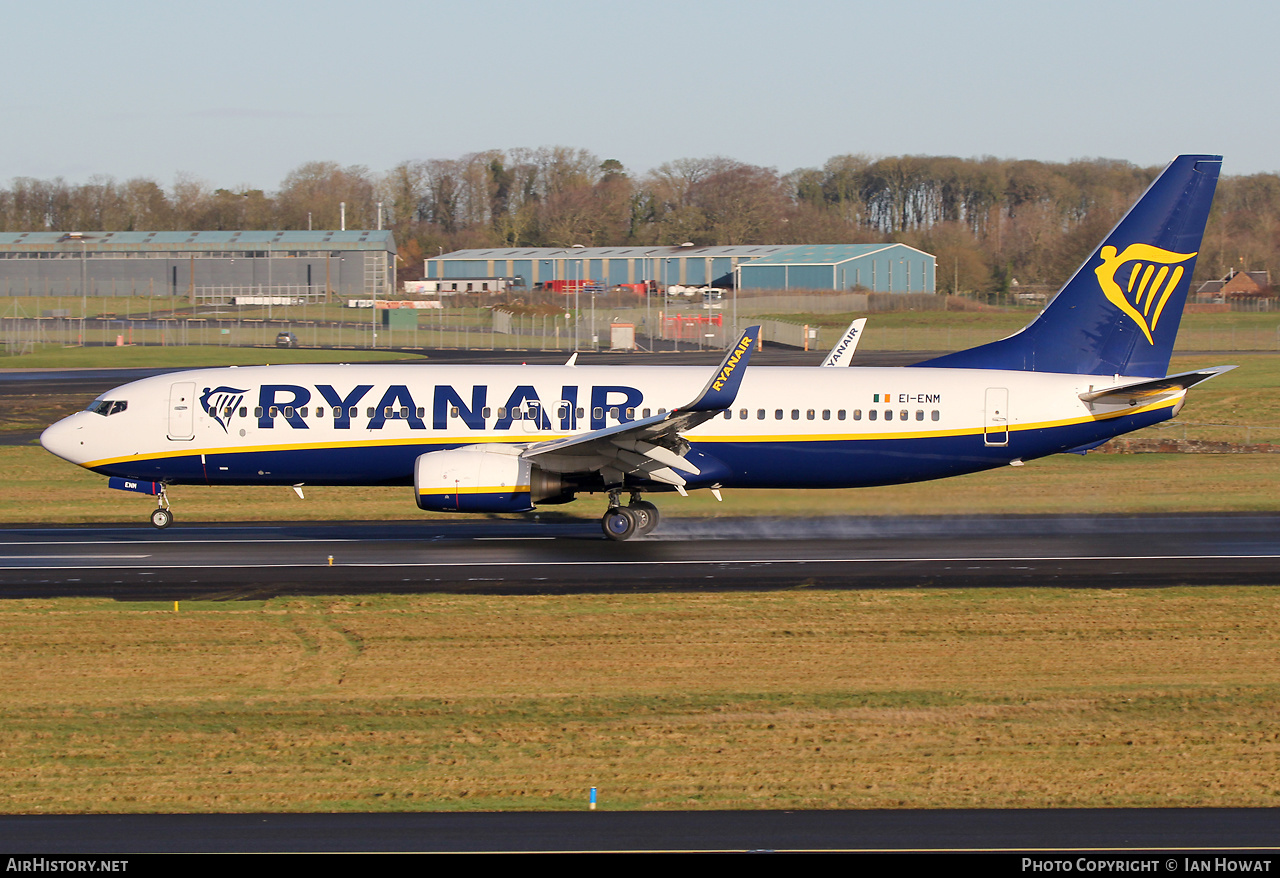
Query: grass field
[[895, 699]]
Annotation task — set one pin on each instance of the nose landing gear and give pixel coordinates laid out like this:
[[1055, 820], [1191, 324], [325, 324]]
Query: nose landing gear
[[623, 522], [162, 516]]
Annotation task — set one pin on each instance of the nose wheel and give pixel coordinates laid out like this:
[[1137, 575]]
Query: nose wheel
[[162, 516]]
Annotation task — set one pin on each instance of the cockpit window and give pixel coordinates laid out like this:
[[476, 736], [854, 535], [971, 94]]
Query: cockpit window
[[107, 407]]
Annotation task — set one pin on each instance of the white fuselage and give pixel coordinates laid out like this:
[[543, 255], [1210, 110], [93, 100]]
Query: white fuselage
[[789, 426]]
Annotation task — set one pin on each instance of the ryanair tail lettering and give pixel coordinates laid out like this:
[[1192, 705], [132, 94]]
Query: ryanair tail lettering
[[1093, 365]]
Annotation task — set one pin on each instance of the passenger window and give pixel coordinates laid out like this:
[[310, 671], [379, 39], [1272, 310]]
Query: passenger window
[[759, 414], [273, 412], [935, 414], [872, 415], [581, 411], [484, 413], [826, 414], [904, 415], [809, 414], [288, 412], [244, 411], [302, 412], [795, 414], [631, 414], [355, 412], [742, 413], [662, 411], [597, 413], [516, 414], [840, 414], [257, 411], [369, 412], [421, 411], [645, 413], [386, 412], [919, 414], [728, 414], [502, 412], [857, 414], [888, 414], [319, 411], [613, 412], [777, 414]]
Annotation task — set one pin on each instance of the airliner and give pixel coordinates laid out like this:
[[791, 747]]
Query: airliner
[[1090, 367]]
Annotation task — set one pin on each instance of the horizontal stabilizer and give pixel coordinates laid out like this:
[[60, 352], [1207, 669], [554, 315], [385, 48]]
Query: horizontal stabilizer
[[1151, 390]]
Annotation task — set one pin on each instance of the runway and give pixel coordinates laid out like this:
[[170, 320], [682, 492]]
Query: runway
[[560, 556], [1247, 834]]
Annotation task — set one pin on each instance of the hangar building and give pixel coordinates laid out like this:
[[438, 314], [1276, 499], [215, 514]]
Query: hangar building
[[881, 268], [200, 265]]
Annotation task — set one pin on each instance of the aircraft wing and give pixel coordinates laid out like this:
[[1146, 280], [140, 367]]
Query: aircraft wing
[[1141, 392], [650, 447], [842, 353]]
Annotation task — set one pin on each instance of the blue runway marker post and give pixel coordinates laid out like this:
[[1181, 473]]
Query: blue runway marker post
[[593, 798]]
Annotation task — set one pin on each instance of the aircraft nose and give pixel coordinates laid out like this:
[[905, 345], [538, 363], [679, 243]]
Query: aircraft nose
[[65, 439]]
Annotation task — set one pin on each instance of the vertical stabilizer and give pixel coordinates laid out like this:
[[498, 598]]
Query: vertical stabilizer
[[1119, 313]]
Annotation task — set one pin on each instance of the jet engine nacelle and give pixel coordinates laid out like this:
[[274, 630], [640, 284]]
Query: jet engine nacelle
[[481, 478]]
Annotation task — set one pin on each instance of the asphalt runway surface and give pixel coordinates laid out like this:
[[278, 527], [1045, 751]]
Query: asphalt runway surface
[[1166, 830], [553, 556]]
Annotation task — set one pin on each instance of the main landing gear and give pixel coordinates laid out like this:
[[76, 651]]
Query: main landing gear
[[623, 522], [162, 516]]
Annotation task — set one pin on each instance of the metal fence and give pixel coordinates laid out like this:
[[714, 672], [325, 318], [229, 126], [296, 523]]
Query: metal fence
[[26, 323]]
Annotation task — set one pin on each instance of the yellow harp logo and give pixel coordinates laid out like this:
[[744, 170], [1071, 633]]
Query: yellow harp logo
[[1153, 274]]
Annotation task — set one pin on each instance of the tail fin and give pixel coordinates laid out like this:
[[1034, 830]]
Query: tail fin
[[1119, 313]]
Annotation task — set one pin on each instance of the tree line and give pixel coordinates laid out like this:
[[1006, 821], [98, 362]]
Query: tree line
[[990, 222]]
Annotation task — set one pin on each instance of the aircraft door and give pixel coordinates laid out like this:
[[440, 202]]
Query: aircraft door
[[995, 430], [532, 420], [182, 418]]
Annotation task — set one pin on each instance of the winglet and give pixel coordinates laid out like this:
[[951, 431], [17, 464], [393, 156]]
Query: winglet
[[722, 389]]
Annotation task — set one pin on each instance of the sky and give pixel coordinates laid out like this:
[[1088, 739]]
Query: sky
[[239, 93]]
